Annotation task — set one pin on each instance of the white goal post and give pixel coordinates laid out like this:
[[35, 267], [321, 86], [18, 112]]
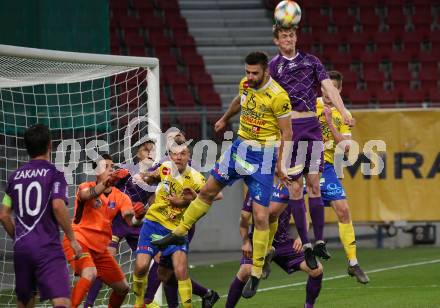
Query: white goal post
[[90, 101]]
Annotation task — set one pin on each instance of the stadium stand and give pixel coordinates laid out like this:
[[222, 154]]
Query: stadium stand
[[387, 50], [156, 28]]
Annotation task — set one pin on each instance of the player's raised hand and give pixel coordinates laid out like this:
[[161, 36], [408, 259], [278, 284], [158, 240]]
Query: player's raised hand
[[189, 194], [297, 245], [328, 114], [139, 210], [281, 174], [246, 248], [220, 125], [347, 118], [77, 250]]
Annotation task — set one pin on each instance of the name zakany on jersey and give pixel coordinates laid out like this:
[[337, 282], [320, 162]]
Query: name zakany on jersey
[[327, 136], [172, 183], [260, 109]]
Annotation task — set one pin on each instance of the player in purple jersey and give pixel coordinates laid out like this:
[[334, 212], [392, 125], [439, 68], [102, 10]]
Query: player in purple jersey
[[37, 194], [301, 74], [287, 254]]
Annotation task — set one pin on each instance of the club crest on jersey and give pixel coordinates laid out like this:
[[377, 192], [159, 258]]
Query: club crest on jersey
[[280, 68], [166, 171], [246, 85], [112, 204], [97, 204]]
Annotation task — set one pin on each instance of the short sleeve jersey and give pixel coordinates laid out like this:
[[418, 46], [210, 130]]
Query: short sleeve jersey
[[260, 110], [31, 190], [161, 210], [94, 227], [300, 77], [327, 136]]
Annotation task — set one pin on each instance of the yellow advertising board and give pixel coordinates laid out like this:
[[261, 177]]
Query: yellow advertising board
[[408, 187]]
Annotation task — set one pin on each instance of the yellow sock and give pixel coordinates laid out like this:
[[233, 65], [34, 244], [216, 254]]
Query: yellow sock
[[346, 234], [185, 292], [273, 227], [193, 213], [259, 248], [139, 285]]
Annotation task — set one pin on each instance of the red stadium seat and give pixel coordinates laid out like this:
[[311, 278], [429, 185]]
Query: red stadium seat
[[177, 79], [429, 74], [412, 96], [359, 97], [191, 126], [396, 17], [158, 39], [134, 40], [163, 99], [118, 4], [143, 4], [208, 97], [434, 95], [402, 56], [169, 5], [401, 74], [368, 17], [152, 23], [182, 97], [386, 97], [201, 78]]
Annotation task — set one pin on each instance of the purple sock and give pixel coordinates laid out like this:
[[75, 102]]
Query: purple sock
[[298, 209], [312, 289], [316, 207], [93, 292], [198, 289], [234, 293], [153, 284], [170, 289]]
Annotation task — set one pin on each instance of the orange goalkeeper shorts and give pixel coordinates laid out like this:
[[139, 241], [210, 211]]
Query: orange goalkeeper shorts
[[106, 266]]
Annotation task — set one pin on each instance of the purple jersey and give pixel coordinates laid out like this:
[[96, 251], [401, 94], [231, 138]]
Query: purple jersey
[[282, 234], [300, 77], [32, 189]]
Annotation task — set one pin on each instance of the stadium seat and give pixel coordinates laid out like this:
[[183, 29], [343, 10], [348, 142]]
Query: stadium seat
[[134, 40], [191, 126], [177, 79], [395, 16], [142, 4], [368, 17], [359, 97], [401, 74], [182, 97], [429, 73], [157, 38], [386, 97], [200, 79], [412, 96], [168, 5], [208, 96], [175, 20], [434, 95], [152, 23], [118, 4]]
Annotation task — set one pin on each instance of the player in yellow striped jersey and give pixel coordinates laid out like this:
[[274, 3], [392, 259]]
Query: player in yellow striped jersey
[[264, 122], [334, 131]]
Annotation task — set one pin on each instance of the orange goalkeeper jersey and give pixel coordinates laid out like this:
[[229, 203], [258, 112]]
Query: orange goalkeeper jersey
[[93, 224]]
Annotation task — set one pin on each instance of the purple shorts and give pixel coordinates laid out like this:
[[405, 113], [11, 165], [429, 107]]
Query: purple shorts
[[285, 257], [121, 230], [45, 270], [308, 148]]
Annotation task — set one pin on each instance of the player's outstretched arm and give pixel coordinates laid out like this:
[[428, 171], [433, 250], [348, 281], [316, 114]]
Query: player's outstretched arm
[[285, 125], [233, 109], [62, 216], [6, 216], [336, 99]]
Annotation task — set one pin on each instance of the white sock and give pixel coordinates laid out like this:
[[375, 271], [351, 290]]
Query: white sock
[[353, 262]]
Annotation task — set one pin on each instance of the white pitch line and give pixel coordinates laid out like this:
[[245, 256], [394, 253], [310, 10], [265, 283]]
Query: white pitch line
[[383, 269]]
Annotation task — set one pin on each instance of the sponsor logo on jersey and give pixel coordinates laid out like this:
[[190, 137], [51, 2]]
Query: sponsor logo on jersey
[[166, 171], [112, 204]]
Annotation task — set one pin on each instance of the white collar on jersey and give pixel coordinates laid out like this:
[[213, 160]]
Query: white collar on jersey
[[290, 59], [267, 84]]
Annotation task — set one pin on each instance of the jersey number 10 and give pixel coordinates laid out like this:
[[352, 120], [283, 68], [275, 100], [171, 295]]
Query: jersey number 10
[[29, 211]]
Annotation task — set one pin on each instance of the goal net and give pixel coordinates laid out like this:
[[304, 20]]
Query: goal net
[[93, 104]]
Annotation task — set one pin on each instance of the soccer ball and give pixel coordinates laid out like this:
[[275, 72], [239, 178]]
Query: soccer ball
[[287, 14]]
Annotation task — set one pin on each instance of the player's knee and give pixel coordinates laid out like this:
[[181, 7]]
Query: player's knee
[[122, 288], [61, 302], [181, 272], [89, 273], [244, 272], [317, 271], [207, 194], [297, 191], [343, 212], [261, 220], [313, 188]]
